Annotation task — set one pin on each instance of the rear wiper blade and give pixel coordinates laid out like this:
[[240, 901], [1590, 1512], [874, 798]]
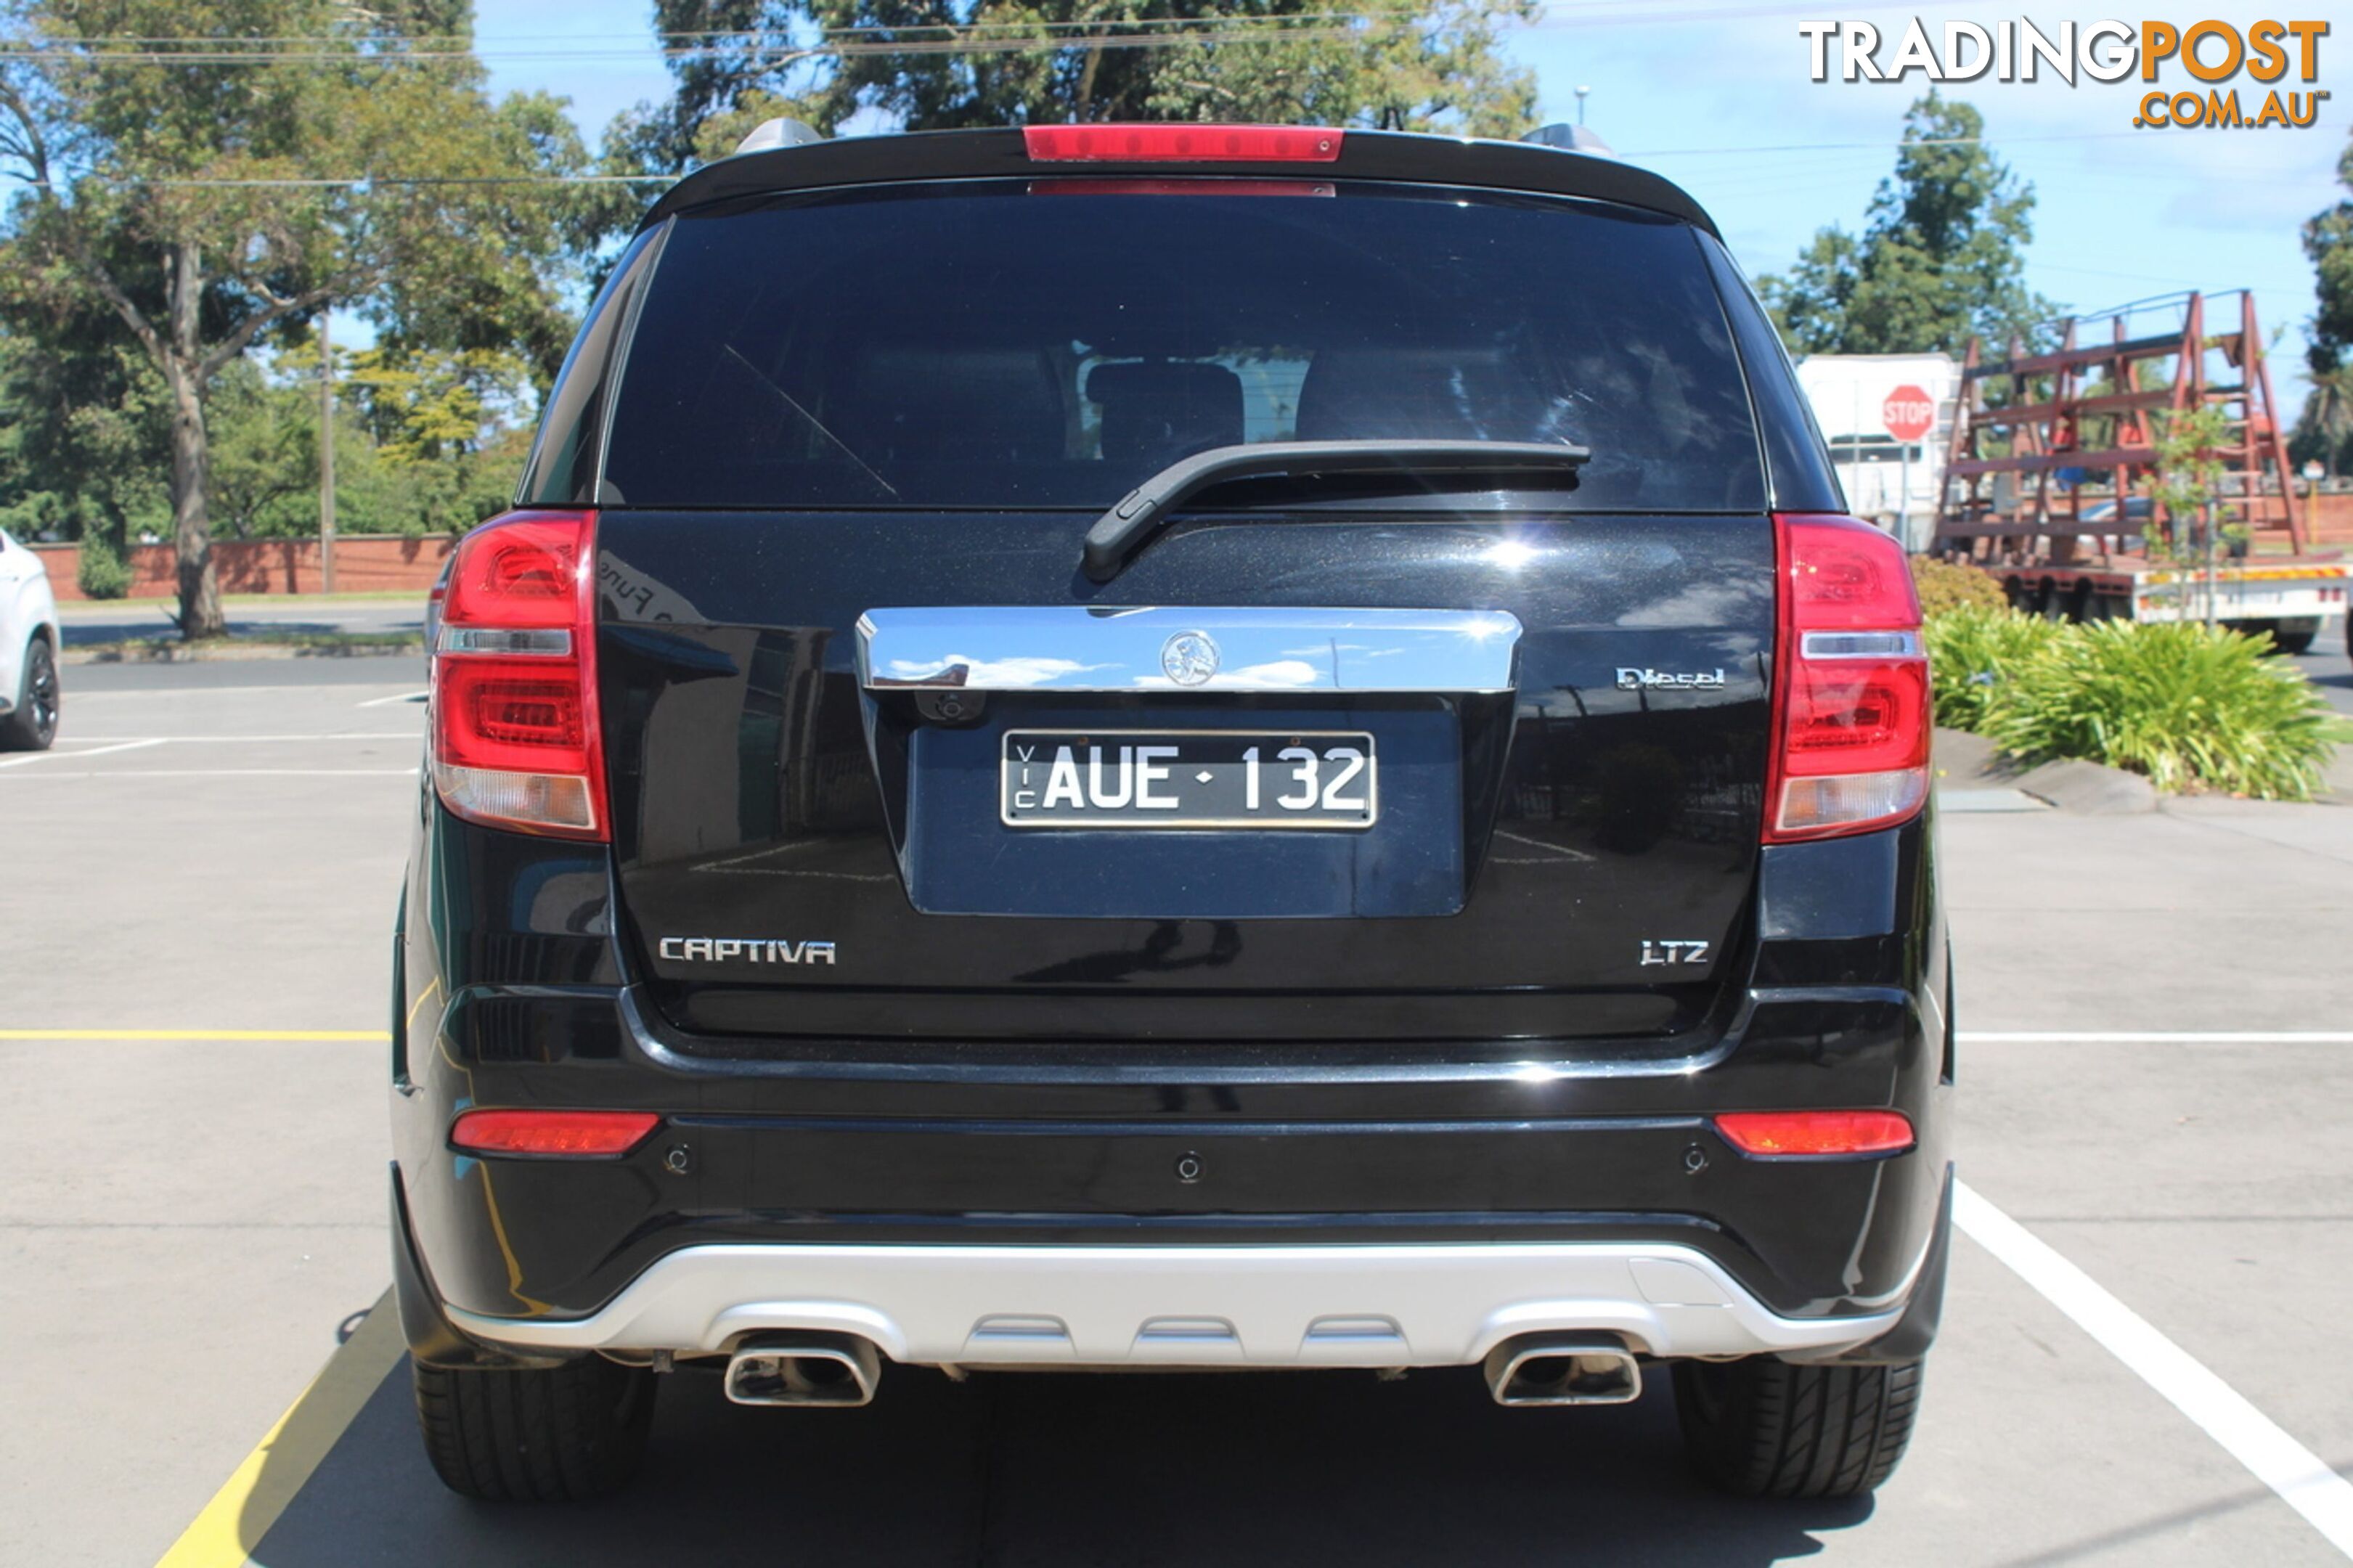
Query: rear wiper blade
[[1118, 533]]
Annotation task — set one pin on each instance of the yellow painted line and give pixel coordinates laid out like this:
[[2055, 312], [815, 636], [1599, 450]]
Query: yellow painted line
[[376, 1036], [225, 1534]]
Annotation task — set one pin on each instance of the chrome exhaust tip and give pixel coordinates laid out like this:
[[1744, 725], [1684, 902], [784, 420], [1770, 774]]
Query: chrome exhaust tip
[[1563, 1369], [836, 1370]]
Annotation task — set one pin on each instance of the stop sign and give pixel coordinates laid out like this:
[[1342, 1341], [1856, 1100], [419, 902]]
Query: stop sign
[[1909, 412]]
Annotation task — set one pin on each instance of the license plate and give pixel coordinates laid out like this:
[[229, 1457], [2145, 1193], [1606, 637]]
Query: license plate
[[1188, 778]]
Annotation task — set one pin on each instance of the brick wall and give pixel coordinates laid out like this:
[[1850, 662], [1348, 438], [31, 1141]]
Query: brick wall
[[364, 564], [2328, 518]]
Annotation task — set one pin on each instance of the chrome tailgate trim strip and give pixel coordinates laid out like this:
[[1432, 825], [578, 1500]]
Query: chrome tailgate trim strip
[[1078, 648]]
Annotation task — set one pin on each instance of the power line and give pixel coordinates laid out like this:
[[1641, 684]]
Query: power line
[[370, 51], [1620, 11], [367, 182], [107, 40]]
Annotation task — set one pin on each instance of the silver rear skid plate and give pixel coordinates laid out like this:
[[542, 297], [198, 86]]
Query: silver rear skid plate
[[1422, 1304]]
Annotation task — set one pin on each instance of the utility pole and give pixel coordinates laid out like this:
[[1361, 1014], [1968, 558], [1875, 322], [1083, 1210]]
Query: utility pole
[[1581, 91], [326, 457], [1903, 497]]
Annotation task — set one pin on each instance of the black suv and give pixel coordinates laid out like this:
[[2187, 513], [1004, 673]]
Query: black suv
[[1174, 746]]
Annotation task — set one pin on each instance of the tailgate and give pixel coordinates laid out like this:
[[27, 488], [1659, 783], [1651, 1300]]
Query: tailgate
[[904, 404]]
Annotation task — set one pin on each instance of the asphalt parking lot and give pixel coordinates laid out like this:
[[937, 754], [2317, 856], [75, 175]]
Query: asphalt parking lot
[[2138, 1354]]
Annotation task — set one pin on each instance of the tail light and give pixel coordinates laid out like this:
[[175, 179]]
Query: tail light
[[515, 740], [1181, 144], [1850, 716], [1816, 1134], [579, 1133]]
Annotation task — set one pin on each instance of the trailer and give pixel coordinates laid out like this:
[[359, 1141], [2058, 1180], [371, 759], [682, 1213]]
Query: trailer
[[2052, 453]]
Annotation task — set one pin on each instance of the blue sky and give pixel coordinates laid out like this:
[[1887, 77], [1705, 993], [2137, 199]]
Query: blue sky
[[1717, 96]]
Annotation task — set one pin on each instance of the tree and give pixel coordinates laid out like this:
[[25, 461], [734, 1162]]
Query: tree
[[931, 65], [84, 430], [2187, 478], [2324, 432], [200, 193], [1940, 258], [446, 428], [2325, 429], [262, 457]]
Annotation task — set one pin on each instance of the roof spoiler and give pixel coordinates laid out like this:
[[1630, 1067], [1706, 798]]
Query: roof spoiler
[[810, 163]]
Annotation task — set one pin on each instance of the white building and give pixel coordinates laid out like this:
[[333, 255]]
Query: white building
[[1884, 478]]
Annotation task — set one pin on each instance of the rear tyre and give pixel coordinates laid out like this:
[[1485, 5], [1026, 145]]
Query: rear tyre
[[2292, 642], [561, 1433], [1762, 1427], [32, 724]]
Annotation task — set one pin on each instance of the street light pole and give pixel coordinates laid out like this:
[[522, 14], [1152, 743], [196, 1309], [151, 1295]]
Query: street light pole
[[326, 457]]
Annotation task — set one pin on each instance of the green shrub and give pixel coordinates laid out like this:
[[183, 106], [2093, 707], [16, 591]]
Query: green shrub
[[1948, 585], [2190, 706], [102, 574], [1974, 651]]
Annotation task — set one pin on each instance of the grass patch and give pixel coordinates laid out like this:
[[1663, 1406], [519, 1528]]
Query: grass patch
[[261, 644], [369, 596], [2192, 707], [1972, 650]]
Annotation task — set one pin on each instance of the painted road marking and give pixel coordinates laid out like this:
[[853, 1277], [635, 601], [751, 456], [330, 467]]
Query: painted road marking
[[109, 745], [395, 696], [225, 774], [78, 756], [376, 1036], [259, 1491], [2158, 1036], [83, 698], [2221, 1411], [257, 740]]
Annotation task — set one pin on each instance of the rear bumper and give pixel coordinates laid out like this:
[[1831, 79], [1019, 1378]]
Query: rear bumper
[[1385, 1216], [903, 1190], [1423, 1305]]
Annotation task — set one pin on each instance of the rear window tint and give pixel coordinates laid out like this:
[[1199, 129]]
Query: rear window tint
[[1053, 342]]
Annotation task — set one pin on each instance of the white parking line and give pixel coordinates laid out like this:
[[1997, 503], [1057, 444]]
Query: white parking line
[[2158, 1036], [2221, 1411], [252, 739], [220, 773], [83, 698], [77, 756], [395, 696]]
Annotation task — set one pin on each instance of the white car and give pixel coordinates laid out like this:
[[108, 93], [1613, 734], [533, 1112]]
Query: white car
[[29, 651]]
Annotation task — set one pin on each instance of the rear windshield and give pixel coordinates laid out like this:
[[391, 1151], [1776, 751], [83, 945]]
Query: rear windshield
[[1052, 342]]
